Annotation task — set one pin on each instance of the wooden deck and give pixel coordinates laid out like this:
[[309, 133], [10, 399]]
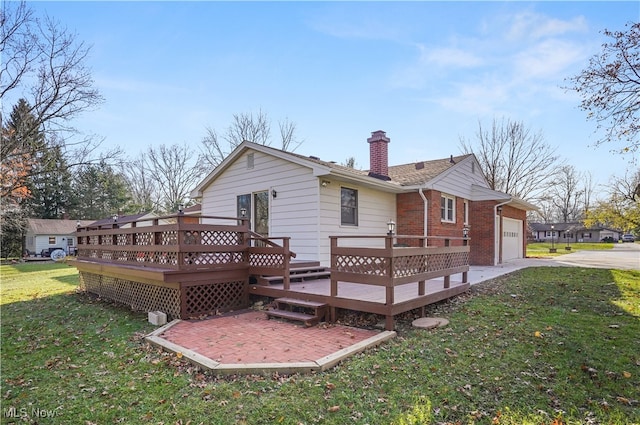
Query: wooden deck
[[195, 266], [365, 298]]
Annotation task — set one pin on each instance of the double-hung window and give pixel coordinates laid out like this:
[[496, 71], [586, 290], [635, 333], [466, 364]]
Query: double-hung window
[[448, 209], [349, 207]]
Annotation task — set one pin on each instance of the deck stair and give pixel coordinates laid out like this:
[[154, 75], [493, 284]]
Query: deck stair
[[297, 274], [308, 312]]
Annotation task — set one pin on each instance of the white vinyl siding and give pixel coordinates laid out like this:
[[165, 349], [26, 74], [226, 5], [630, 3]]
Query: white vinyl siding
[[293, 213], [304, 210], [374, 211]]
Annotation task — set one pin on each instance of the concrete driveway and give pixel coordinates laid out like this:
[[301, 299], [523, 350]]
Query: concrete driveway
[[624, 256]]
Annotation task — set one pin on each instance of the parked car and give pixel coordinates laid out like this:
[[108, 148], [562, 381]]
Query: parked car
[[48, 251], [628, 237]]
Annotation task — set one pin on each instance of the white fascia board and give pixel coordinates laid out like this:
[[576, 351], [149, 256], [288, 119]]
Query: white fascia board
[[370, 182]]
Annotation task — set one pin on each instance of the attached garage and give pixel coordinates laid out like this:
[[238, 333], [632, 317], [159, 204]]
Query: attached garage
[[512, 242]]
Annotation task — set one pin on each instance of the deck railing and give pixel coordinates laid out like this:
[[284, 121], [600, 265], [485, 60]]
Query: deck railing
[[396, 264], [186, 266], [181, 242]]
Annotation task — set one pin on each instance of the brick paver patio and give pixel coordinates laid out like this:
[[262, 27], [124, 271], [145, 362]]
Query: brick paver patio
[[249, 337]]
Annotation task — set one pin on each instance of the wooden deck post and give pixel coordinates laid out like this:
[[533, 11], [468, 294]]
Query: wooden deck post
[[334, 283], [286, 258]]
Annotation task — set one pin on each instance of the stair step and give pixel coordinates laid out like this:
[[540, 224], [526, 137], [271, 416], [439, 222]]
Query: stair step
[[306, 269], [299, 303], [308, 319]]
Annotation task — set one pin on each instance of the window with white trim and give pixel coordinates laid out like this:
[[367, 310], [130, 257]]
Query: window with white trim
[[448, 208], [466, 212]]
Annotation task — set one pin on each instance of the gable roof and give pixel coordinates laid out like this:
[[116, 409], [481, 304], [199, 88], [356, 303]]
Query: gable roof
[[46, 226], [419, 173], [403, 176], [122, 219]]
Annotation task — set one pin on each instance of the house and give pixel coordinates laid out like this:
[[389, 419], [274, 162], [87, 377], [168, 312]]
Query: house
[[44, 235], [571, 233], [284, 194]]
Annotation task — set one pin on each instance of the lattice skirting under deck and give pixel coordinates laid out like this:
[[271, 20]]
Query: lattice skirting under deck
[[139, 296], [215, 297], [200, 299]]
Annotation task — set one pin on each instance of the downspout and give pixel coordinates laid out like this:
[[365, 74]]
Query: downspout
[[495, 213], [426, 212]]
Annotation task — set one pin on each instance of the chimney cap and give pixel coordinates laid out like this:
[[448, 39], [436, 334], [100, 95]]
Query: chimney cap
[[378, 136]]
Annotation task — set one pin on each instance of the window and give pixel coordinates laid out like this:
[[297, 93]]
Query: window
[[244, 202], [466, 211], [447, 209], [52, 240], [69, 241], [349, 207]]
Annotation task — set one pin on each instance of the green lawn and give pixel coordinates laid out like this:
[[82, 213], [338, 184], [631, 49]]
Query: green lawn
[[540, 346], [541, 249]]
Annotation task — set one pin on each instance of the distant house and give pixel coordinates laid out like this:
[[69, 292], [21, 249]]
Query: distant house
[[44, 235], [571, 232], [307, 199]]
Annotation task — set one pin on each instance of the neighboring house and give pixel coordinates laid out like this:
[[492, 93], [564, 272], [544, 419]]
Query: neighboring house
[[307, 199], [47, 234], [571, 232]]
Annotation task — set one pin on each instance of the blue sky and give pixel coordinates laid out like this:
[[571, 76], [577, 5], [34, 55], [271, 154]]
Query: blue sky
[[424, 72]]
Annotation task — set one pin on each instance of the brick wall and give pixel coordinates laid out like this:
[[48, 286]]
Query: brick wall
[[410, 217], [482, 234]]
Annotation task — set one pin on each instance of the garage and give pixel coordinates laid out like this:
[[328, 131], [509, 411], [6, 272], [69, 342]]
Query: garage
[[512, 241]]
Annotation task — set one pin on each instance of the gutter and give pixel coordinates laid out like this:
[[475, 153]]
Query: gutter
[[426, 211]]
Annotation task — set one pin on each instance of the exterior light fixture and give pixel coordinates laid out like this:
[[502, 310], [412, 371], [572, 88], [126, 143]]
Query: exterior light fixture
[[181, 209], [115, 218], [274, 194], [465, 231], [553, 245], [243, 212], [325, 183], [77, 224], [391, 227]]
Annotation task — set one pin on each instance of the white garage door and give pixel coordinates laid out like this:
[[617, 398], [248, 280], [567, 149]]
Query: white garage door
[[511, 239]]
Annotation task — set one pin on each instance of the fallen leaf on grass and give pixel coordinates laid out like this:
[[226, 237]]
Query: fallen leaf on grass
[[626, 374], [333, 409]]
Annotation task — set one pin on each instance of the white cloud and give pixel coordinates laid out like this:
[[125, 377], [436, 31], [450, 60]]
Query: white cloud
[[549, 59], [451, 57], [534, 26]]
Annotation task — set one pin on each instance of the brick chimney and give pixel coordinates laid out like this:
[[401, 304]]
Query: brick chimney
[[378, 155]]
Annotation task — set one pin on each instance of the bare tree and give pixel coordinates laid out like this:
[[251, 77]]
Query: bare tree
[[246, 126], [50, 61], [610, 88], [46, 65], [513, 158], [175, 171], [288, 135], [567, 194], [143, 188]]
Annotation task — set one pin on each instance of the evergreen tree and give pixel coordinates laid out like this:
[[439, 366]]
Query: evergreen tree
[[99, 191], [50, 185]]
